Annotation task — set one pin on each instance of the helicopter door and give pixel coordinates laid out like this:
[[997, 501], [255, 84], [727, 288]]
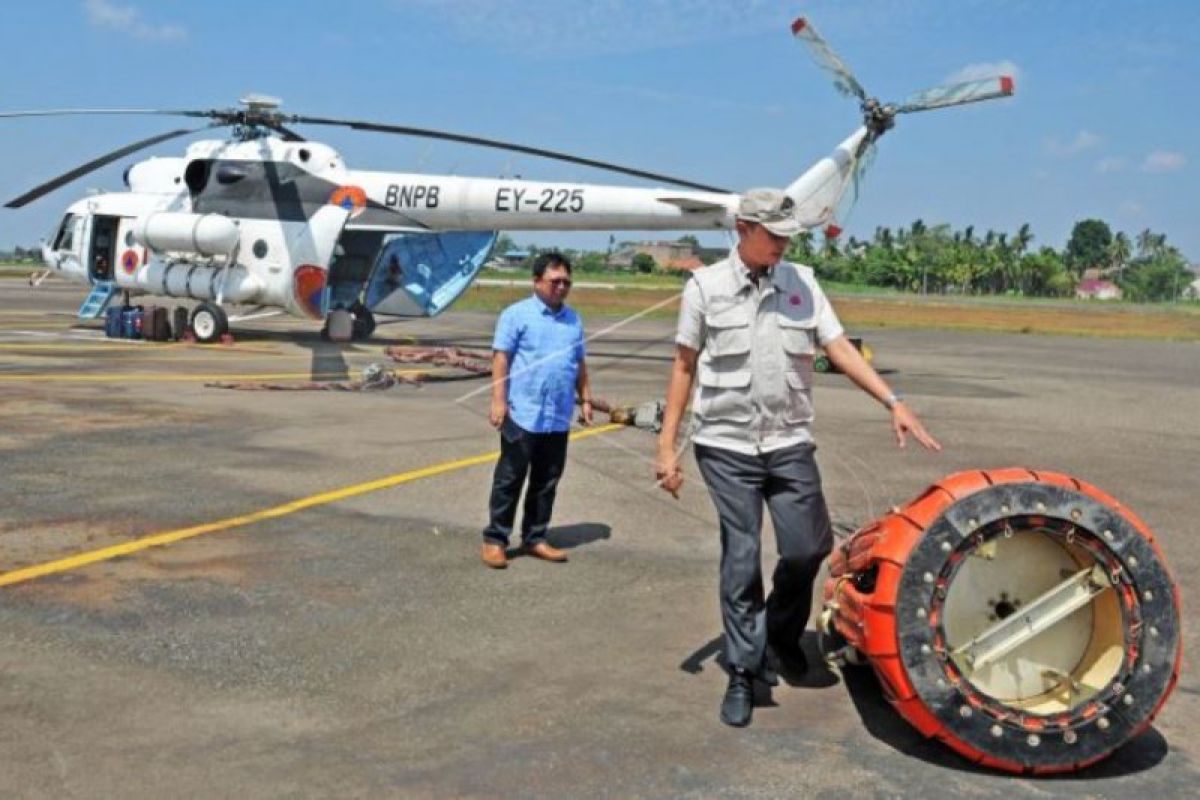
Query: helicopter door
[[102, 252], [422, 274]]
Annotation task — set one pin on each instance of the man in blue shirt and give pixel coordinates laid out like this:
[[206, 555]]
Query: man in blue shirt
[[537, 368]]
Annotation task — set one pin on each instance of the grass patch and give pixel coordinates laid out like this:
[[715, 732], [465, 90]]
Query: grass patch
[[1176, 321]]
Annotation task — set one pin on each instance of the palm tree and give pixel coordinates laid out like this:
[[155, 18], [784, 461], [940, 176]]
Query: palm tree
[[1150, 243], [1023, 239], [1118, 253]]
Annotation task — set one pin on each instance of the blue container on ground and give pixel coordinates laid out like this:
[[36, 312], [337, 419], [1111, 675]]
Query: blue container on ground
[[112, 321], [131, 323]]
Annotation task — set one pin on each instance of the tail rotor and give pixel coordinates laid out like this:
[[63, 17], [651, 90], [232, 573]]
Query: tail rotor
[[878, 117]]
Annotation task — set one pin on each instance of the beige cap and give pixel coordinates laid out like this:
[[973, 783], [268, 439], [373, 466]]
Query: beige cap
[[772, 209]]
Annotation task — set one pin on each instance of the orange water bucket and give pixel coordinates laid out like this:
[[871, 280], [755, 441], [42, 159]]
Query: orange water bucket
[[1026, 619]]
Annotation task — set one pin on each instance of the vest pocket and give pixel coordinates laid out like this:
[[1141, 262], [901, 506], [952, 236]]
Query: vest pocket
[[724, 396], [799, 337], [799, 402], [728, 332]]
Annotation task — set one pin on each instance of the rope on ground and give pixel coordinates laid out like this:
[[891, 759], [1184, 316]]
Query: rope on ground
[[477, 363]]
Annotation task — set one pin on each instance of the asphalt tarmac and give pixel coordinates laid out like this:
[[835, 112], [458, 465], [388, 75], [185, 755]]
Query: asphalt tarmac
[[313, 620]]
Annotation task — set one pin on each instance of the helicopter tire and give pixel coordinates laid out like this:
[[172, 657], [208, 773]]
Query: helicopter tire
[[364, 324], [209, 322]]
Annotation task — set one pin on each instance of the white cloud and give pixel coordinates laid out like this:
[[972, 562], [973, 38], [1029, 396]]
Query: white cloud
[[600, 26], [1110, 164], [985, 69], [128, 20], [1132, 208], [1164, 161], [1084, 140]]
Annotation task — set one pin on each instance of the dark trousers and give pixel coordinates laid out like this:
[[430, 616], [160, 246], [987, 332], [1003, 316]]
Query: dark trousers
[[788, 482], [539, 456]]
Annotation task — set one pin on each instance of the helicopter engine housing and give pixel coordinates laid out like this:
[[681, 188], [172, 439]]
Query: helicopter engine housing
[[160, 175]]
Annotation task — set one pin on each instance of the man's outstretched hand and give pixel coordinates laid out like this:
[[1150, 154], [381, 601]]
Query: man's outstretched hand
[[905, 422]]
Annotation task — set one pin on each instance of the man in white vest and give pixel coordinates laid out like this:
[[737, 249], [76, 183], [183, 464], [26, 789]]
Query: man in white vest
[[749, 327]]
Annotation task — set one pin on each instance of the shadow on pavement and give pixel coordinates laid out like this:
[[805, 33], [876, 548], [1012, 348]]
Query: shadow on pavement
[[568, 537], [882, 722]]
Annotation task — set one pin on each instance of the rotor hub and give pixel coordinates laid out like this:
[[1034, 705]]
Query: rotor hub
[[878, 117]]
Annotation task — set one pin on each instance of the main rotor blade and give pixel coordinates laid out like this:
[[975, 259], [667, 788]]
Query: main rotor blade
[[843, 80], [288, 135], [959, 93], [94, 164], [498, 145], [59, 112]]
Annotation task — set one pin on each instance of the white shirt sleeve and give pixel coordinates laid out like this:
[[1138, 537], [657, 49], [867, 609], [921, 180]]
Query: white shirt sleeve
[[690, 331], [829, 327]]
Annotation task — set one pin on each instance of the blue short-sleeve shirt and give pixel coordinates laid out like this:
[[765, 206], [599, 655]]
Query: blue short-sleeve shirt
[[545, 348]]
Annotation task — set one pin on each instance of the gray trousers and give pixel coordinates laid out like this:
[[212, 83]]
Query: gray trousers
[[788, 481]]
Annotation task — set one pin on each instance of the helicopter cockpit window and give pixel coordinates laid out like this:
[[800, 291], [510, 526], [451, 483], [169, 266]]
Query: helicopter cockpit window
[[65, 238], [129, 238]]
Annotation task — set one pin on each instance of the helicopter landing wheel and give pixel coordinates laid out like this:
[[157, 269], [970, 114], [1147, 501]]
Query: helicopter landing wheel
[[209, 322], [363, 325]]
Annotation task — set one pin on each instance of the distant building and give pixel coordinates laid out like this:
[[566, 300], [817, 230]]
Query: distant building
[[511, 260], [1192, 290], [667, 255], [682, 264], [1097, 289], [662, 252]]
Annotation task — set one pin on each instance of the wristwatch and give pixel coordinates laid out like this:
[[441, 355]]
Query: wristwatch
[[892, 399]]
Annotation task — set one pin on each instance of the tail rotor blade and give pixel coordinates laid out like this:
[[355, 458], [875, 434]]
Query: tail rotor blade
[[959, 93], [843, 80], [862, 167]]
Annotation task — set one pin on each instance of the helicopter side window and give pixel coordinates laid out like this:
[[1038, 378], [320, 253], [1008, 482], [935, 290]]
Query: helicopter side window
[[65, 238]]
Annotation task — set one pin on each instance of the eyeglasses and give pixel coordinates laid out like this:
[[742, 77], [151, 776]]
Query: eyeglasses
[[563, 282]]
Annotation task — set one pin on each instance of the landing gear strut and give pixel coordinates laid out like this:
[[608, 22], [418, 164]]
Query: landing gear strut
[[364, 323], [361, 324]]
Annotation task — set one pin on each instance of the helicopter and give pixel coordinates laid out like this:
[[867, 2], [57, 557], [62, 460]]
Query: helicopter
[[270, 218]]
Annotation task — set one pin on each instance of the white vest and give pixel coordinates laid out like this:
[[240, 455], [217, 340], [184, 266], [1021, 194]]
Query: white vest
[[754, 374]]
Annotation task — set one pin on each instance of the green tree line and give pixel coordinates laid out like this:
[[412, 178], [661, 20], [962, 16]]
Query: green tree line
[[939, 260]]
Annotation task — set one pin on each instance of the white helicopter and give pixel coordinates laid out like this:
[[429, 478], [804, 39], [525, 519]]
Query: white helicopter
[[268, 218]]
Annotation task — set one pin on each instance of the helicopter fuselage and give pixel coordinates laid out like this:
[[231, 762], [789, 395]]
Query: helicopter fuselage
[[272, 223]]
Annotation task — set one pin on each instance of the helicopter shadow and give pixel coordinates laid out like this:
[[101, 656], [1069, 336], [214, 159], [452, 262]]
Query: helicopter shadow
[[328, 361]]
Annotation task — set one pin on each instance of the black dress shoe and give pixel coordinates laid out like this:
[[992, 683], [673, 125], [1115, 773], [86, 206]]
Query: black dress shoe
[[738, 704]]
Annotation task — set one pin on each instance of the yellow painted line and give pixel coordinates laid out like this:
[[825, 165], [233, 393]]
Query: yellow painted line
[[131, 346], [149, 377], [57, 326], [169, 537], [76, 344]]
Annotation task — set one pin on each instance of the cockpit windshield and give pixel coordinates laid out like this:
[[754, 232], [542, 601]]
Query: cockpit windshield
[[65, 238]]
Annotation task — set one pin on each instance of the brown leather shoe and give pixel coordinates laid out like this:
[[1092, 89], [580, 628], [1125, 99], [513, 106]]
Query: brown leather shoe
[[547, 552], [493, 555]]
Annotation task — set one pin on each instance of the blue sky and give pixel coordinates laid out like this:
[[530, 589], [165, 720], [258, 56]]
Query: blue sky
[[1105, 122]]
